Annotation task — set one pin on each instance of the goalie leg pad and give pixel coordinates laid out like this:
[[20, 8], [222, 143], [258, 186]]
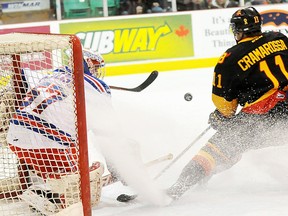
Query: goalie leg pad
[[63, 192], [38, 201], [68, 186], [96, 172]]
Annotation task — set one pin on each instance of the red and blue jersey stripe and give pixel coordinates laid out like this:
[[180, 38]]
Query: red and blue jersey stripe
[[40, 126], [97, 84]]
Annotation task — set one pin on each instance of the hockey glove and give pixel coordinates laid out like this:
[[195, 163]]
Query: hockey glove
[[217, 120]]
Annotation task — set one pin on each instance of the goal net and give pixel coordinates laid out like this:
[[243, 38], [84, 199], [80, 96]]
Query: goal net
[[44, 166]]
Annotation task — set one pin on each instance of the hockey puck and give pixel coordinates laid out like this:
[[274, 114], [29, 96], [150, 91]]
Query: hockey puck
[[188, 96], [126, 198]]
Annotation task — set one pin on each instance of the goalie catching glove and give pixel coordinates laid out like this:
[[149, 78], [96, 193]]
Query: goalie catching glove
[[218, 121]]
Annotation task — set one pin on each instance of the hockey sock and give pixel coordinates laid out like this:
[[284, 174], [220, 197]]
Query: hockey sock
[[191, 174]]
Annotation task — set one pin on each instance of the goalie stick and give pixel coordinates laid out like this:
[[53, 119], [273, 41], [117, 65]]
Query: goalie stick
[[108, 179], [127, 198], [142, 86]]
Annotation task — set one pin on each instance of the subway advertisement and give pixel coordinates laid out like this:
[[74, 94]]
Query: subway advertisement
[[146, 38]]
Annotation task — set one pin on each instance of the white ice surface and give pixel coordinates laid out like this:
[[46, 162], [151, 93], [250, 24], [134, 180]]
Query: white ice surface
[[161, 121]]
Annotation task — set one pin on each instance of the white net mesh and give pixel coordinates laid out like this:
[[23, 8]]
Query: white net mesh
[[38, 123], [6, 109]]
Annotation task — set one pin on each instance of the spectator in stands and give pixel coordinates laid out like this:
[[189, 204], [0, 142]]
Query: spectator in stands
[[276, 1], [1, 13], [156, 8], [149, 5], [187, 5], [182, 5], [259, 2], [210, 5], [131, 7], [126, 7], [225, 3], [139, 9]]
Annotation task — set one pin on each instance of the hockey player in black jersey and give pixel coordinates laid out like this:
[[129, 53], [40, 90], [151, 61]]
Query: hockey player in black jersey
[[249, 92]]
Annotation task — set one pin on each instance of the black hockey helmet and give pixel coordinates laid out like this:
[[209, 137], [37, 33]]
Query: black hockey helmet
[[247, 20]]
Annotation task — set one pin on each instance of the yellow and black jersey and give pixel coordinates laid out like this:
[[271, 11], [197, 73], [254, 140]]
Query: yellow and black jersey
[[250, 71]]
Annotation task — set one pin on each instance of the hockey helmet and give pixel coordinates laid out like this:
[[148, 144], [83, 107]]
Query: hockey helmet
[[247, 20], [94, 62]]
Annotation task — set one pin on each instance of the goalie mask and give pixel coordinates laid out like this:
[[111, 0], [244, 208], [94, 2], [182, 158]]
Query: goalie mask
[[94, 63]]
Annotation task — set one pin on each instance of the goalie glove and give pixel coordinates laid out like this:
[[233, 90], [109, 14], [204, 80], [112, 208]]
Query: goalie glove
[[217, 120]]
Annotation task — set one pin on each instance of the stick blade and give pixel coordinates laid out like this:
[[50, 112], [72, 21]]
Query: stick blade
[[147, 82], [152, 76]]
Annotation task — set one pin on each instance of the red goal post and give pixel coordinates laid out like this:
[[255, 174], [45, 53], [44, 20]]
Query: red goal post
[[37, 56]]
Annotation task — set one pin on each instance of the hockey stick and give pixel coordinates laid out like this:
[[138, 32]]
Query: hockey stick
[[108, 179], [127, 198], [142, 86], [160, 159], [183, 152]]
